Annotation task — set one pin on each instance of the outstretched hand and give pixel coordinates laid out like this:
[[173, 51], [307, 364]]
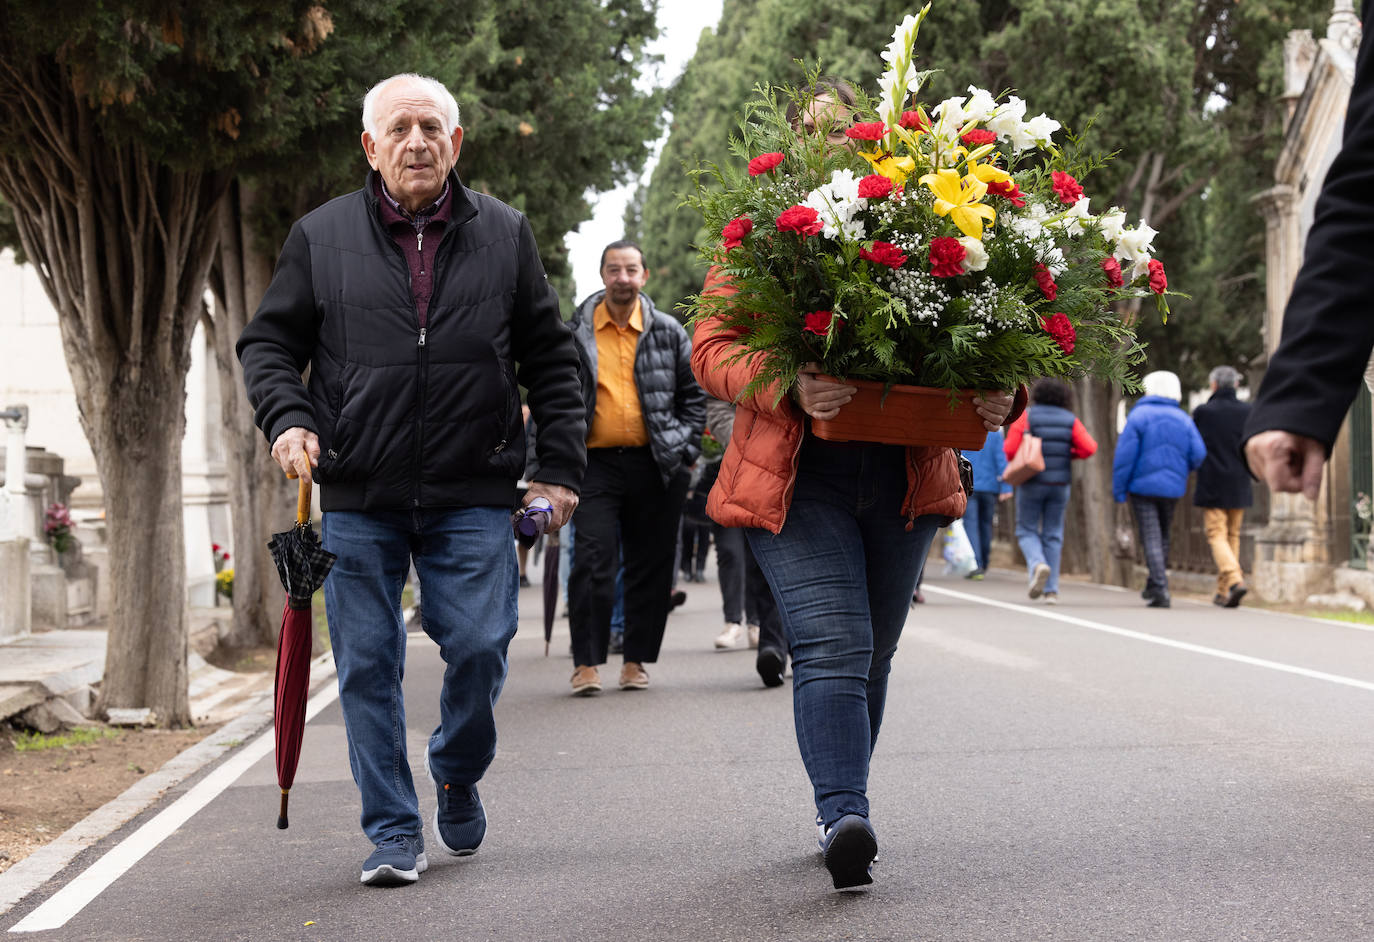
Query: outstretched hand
[[1287, 462]]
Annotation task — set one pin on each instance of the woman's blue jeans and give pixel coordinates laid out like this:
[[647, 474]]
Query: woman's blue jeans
[[465, 559], [1040, 527], [843, 569]]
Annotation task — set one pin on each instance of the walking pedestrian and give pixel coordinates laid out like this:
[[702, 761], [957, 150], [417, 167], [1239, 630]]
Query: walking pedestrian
[[1223, 481], [1158, 449], [1042, 501], [840, 531], [412, 300], [645, 414], [743, 588], [1328, 330], [696, 526], [988, 490]]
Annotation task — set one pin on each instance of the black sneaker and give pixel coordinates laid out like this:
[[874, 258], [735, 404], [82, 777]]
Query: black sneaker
[[397, 861], [460, 821], [524, 581], [676, 599], [849, 848], [770, 664], [1236, 593], [616, 645]]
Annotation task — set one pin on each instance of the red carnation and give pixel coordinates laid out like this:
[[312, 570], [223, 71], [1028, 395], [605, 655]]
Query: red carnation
[[1045, 280], [868, 131], [946, 257], [1010, 190], [821, 323], [978, 137], [884, 253], [912, 120], [1060, 330], [874, 186], [801, 219], [1157, 280], [1067, 187], [735, 230], [1113, 269], [764, 163]]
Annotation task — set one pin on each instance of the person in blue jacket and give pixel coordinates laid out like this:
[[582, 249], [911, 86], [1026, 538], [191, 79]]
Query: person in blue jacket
[[988, 488], [1042, 501], [1159, 447]]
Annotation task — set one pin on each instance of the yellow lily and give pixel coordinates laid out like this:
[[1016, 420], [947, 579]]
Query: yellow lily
[[987, 173], [958, 199], [896, 169]]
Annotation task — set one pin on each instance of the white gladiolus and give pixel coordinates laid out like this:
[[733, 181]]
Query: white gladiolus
[[981, 105], [1007, 119], [837, 203], [1112, 224], [1135, 243], [1039, 129], [1075, 221]]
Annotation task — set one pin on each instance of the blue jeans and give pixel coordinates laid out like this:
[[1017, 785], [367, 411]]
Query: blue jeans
[[978, 524], [465, 559], [1040, 526], [843, 569]]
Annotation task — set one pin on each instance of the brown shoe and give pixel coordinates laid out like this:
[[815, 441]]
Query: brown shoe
[[633, 677], [586, 682]]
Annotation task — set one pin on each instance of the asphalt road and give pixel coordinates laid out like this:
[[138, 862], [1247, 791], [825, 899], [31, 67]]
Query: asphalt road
[[1097, 770]]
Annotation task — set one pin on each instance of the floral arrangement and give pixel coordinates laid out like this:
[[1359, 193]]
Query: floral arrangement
[[57, 526], [952, 248], [221, 556], [224, 583]]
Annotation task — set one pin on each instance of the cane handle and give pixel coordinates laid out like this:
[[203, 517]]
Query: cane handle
[[303, 502]]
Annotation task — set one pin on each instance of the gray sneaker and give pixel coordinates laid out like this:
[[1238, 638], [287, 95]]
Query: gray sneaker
[[1039, 577], [398, 860]]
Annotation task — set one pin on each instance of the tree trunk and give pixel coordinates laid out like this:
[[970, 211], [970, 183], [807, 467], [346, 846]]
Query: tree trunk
[[122, 246], [139, 431], [1094, 508], [261, 500]]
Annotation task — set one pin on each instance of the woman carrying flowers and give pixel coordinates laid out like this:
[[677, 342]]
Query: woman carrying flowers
[[887, 247]]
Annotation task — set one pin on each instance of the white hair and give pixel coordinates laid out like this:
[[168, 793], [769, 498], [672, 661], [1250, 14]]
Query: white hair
[[1162, 383], [435, 88]]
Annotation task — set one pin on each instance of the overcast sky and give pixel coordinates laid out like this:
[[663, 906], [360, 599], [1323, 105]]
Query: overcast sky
[[681, 23]]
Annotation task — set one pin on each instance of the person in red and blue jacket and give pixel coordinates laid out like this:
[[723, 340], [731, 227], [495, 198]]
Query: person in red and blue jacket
[[1042, 500]]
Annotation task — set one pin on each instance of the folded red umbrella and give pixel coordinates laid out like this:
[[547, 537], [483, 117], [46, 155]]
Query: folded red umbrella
[[303, 565]]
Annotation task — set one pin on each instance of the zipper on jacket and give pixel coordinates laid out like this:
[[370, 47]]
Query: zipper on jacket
[[422, 335]]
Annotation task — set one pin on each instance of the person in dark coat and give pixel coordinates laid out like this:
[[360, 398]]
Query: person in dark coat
[[1223, 483], [1042, 500], [1328, 327], [1158, 449]]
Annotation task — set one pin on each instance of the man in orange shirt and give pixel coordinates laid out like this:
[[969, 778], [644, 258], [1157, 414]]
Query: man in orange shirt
[[645, 414]]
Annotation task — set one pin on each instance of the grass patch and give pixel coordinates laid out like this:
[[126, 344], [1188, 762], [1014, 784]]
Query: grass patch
[[1357, 618], [80, 736]]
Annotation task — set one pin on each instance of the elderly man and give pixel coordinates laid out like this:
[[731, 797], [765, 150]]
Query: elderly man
[[412, 300], [645, 414]]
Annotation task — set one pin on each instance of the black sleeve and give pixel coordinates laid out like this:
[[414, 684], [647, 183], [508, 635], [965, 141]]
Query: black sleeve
[[279, 341], [544, 347], [1328, 327]]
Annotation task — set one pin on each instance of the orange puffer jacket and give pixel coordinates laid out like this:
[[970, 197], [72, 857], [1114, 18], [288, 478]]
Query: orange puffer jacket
[[759, 470]]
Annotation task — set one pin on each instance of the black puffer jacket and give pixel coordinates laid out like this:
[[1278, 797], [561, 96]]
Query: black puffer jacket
[[674, 406], [412, 418]]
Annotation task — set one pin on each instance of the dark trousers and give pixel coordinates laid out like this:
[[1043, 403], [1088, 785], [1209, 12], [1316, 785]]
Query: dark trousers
[[623, 500], [1152, 518], [696, 543], [744, 591]]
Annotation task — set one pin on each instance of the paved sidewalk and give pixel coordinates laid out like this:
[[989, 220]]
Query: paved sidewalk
[[1097, 770]]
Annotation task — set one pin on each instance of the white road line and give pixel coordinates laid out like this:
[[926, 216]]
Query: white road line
[[74, 897], [1156, 639]]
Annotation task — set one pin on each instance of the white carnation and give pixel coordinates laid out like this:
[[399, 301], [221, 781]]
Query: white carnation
[[975, 255]]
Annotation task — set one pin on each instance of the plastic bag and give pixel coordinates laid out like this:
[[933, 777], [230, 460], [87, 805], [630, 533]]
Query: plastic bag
[[957, 551]]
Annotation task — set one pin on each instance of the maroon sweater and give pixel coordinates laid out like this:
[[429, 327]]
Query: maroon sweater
[[418, 236]]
